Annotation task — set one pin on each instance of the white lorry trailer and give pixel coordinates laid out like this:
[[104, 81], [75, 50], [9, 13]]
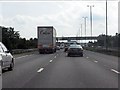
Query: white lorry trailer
[[46, 39]]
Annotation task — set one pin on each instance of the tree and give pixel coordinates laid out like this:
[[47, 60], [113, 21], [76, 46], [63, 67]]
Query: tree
[[113, 41], [10, 37]]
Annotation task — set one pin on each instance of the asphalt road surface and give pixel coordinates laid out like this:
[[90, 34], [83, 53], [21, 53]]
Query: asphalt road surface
[[93, 70]]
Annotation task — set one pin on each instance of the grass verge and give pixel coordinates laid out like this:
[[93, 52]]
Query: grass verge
[[104, 51]]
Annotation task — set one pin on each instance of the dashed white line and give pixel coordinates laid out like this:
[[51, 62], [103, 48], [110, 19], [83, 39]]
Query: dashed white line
[[115, 71], [40, 70], [87, 57], [55, 57], [96, 61], [51, 61]]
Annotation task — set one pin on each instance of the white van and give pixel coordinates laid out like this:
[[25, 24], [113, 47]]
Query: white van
[[7, 58]]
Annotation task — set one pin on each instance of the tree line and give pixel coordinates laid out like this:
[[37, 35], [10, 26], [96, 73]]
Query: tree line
[[12, 40], [112, 41]]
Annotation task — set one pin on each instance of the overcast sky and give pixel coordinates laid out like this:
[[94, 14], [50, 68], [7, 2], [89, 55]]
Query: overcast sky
[[65, 16]]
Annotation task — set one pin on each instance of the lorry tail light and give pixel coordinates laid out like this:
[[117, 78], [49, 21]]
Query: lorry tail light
[[40, 46], [51, 45]]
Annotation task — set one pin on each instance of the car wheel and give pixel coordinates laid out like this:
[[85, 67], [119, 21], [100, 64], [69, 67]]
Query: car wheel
[[40, 52], [11, 66], [1, 63], [68, 55], [82, 55]]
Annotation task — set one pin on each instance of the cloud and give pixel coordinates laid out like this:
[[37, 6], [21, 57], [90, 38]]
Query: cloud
[[66, 18]]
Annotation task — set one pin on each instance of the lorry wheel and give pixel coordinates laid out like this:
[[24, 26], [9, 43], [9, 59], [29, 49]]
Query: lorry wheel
[[82, 55], [68, 55], [55, 50], [52, 51], [40, 52]]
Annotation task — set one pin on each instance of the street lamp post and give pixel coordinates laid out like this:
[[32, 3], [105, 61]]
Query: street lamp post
[[78, 35], [81, 33], [106, 29], [0, 34], [90, 18], [85, 28]]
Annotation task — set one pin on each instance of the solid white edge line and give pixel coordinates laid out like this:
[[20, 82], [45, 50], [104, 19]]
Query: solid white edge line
[[51, 61], [115, 71], [40, 70], [23, 56]]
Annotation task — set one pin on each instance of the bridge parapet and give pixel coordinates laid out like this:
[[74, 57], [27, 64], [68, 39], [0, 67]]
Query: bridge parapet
[[78, 38]]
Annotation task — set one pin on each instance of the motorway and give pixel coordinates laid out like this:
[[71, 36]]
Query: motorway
[[93, 70]]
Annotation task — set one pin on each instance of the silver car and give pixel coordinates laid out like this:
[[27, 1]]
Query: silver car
[[75, 50], [7, 59]]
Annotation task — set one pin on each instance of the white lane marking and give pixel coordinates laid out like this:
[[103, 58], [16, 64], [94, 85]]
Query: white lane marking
[[51, 61], [22, 57], [40, 70], [115, 71], [96, 61], [55, 57], [87, 57]]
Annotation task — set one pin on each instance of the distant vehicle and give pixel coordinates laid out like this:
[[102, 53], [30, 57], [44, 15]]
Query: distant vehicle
[[72, 42], [46, 39], [61, 46], [99, 46], [66, 48], [75, 50], [7, 58], [57, 47], [68, 44]]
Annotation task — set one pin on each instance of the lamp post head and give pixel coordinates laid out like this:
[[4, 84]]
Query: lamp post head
[[90, 5], [87, 5], [85, 17]]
